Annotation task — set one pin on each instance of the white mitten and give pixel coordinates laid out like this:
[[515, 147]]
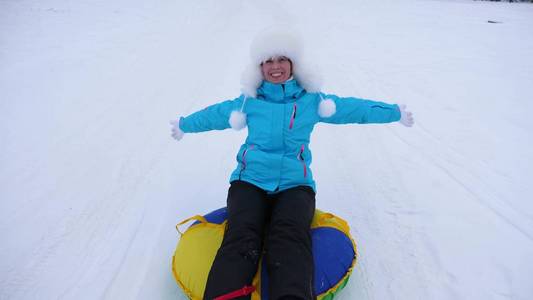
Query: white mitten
[[177, 133], [407, 117]]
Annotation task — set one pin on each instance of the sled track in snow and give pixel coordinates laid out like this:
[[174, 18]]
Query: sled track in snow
[[474, 195]]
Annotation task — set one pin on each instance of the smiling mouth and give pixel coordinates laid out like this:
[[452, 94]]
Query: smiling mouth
[[276, 74]]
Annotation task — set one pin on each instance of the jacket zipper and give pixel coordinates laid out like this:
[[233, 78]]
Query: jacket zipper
[[301, 158], [293, 116], [243, 159]]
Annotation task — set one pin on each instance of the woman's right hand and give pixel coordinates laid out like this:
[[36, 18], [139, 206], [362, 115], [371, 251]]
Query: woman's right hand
[[177, 133]]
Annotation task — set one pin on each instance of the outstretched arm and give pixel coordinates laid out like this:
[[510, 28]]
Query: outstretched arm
[[354, 110], [213, 117]]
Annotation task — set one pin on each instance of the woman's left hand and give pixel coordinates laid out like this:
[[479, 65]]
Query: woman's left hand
[[406, 116]]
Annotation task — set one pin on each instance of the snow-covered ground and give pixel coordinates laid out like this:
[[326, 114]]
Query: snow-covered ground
[[91, 184]]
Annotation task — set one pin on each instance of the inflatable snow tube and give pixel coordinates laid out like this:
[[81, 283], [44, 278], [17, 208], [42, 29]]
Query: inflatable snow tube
[[334, 252]]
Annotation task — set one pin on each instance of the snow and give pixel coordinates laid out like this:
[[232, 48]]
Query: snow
[[91, 184]]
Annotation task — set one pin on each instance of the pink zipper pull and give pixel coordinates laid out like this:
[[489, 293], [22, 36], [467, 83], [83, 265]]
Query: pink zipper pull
[[293, 116]]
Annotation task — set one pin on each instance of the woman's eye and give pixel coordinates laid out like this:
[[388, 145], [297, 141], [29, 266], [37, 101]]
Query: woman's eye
[[269, 61], [282, 59]]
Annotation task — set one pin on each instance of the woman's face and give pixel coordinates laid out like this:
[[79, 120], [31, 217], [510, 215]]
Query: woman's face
[[276, 69]]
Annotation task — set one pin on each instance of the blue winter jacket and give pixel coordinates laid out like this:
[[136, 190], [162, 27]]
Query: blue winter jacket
[[276, 154]]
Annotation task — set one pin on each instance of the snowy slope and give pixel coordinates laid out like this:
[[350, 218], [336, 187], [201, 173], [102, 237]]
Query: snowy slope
[[91, 185]]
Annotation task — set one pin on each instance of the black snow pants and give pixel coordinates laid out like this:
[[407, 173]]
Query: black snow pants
[[274, 226]]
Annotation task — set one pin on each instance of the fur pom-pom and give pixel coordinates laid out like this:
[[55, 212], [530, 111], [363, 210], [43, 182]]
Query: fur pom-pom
[[326, 108], [237, 120]]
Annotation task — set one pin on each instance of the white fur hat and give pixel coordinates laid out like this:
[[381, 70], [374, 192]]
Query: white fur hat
[[277, 41]]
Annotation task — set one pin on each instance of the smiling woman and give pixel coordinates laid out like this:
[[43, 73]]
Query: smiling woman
[[271, 199], [277, 69]]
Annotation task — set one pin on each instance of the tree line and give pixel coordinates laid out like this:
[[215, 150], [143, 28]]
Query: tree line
[[530, 1]]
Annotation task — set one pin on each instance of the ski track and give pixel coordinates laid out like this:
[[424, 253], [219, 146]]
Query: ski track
[[481, 199]]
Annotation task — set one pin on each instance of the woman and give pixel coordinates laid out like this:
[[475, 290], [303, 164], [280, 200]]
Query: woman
[[271, 199]]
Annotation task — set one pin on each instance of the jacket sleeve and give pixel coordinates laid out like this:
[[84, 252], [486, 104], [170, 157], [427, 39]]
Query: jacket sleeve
[[362, 111], [213, 117]]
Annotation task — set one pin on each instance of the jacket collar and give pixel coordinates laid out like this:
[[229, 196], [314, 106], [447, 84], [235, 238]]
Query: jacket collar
[[280, 92]]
